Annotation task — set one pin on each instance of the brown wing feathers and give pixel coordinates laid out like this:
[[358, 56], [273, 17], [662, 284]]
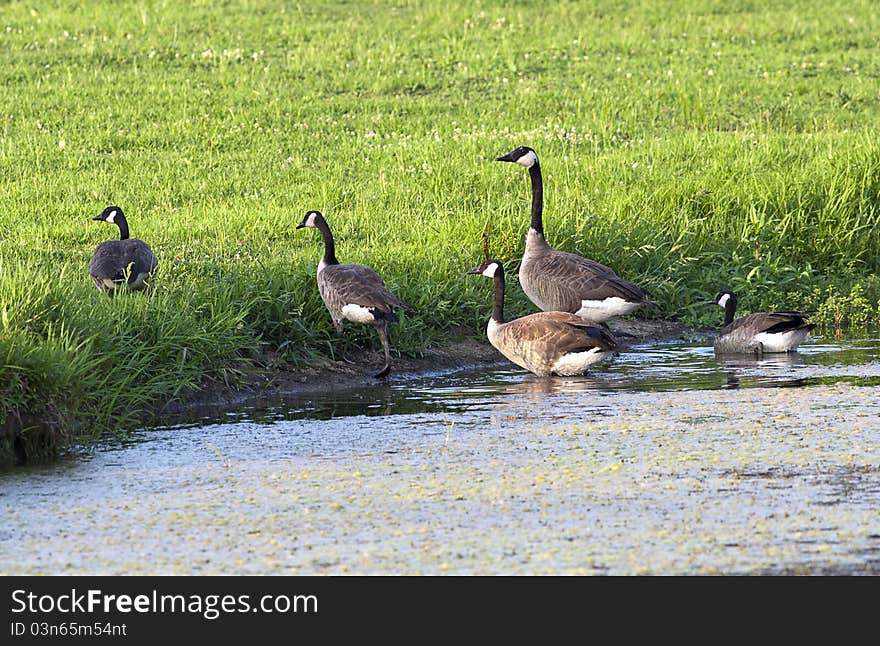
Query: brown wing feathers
[[360, 285], [563, 331], [772, 322], [587, 279], [114, 258]]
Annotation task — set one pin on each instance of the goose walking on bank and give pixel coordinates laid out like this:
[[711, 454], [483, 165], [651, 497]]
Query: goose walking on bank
[[560, 281], [760, 332], [545, 343], [353, 292], [124, 263]]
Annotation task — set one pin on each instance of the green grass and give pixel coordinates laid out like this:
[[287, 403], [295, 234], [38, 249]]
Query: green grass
[[691, 145]]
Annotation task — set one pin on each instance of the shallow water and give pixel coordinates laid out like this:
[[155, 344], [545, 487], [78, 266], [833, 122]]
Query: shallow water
[[667, 460]]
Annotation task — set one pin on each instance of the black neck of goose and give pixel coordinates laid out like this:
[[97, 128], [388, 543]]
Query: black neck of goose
[[729, 311], [537, 198], [123, 226], [498, 301], [329, 244]]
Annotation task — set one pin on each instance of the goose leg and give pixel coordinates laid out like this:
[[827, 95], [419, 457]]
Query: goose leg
[[345, 359], [342, 356], [339, 325], [383, 336]]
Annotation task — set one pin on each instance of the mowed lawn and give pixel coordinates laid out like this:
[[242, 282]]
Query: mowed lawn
[[691, 145]]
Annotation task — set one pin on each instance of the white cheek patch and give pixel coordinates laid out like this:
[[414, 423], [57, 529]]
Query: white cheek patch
[[310, 221], [490, 270], [357, 314], [528, 160], [723, 300], [112, 217]]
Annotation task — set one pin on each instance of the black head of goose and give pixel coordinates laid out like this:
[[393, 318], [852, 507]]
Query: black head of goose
[[560, 281], [545, 343], [353, 292], [759, 332], [127, 262]]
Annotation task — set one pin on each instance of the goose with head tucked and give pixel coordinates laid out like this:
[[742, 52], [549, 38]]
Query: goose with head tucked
[[759, 332], [352, 292], [560, 281], [125, 263], [545, 343]]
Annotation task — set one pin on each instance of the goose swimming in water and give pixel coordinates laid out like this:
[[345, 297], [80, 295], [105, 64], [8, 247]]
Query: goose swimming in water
[[545, 343], [759, 332]]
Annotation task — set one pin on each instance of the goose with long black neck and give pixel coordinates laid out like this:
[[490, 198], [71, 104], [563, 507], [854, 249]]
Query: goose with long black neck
[[560, 281], [125, 263], [352, 292], [545, 343], [759, 332]]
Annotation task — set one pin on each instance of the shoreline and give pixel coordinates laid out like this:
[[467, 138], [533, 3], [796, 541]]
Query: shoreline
[[272, 380], [269, 379]]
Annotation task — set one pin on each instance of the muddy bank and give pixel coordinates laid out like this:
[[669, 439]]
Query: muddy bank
[[25, 437], [271, 378]]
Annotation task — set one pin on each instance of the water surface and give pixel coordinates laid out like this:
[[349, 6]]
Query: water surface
[[667, 460]]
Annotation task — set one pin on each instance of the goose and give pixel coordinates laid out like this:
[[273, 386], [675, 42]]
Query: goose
[[760, 332], [545, 343], [353, 292], [127, 262], [560, 281]]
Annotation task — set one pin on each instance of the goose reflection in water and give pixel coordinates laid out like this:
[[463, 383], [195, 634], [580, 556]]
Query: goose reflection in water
[[558, 385], [745, 370]]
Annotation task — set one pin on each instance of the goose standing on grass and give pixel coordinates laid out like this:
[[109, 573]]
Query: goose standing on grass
[[560, 281], [352, 292], [127, 262], [545, 343], [760, 332]]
